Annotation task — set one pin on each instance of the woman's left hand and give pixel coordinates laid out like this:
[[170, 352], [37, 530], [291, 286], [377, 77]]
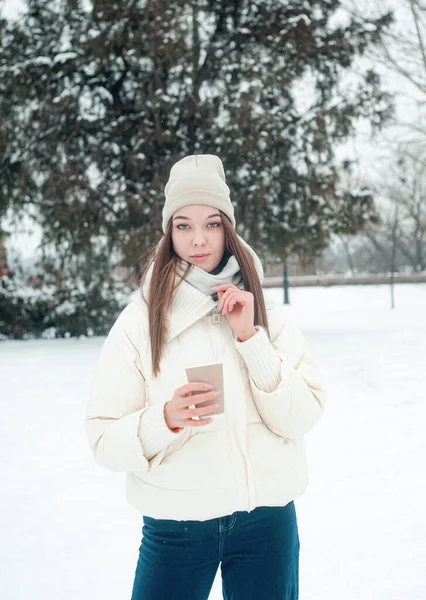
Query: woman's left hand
[[238, 308]]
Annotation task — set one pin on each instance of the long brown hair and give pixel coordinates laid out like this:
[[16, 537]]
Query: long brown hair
[[163, 285]]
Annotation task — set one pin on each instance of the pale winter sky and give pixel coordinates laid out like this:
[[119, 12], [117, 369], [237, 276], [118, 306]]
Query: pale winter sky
[[11, 8]]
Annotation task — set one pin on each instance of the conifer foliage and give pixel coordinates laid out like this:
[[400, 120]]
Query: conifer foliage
[[99, 98]]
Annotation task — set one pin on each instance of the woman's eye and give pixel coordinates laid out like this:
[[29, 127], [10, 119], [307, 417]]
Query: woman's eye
[[214, 225]]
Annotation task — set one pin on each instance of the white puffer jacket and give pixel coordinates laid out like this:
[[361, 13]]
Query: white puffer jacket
[[254, 456]]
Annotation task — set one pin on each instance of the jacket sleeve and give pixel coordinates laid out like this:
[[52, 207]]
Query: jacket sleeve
[[117, 401], [291, 397]]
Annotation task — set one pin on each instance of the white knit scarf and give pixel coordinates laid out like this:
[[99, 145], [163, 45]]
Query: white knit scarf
[[226, 273]]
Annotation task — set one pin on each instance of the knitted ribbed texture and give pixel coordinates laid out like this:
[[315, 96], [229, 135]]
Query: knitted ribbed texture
[[197, 179], [153, 433], [262, 361]]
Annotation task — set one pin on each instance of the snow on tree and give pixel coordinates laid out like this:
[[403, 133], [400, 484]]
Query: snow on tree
[[99, 99]]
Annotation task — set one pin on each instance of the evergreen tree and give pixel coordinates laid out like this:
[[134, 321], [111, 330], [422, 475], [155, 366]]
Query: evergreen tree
[[99, 100]]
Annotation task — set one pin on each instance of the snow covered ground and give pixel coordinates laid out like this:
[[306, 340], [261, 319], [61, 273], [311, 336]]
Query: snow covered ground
[[68, 533]]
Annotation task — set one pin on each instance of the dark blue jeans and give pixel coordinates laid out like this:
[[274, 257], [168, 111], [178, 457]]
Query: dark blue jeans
[[258, 553]]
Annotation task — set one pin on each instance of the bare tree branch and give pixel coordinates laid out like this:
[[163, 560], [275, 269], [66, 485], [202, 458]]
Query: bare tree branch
[[419, 33]]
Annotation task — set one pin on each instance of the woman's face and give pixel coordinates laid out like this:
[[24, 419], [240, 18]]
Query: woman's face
[[198, 230]]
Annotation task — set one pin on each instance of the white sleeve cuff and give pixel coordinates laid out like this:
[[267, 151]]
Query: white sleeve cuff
[[263, 363], [154, 434]]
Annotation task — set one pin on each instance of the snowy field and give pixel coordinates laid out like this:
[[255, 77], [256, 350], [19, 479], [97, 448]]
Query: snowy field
[[68, 533]]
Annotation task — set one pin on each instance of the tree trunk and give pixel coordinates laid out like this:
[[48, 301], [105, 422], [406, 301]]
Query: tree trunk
[[3, 255]]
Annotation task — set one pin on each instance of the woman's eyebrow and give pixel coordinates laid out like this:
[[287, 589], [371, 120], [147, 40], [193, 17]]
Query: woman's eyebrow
[[188, 219]]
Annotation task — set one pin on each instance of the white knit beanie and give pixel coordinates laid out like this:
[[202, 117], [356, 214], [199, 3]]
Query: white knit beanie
[[197, 179]]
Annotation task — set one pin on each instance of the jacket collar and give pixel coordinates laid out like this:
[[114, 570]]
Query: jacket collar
[[188, 306]]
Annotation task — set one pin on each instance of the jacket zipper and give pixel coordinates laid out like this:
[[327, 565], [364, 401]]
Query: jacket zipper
[[249, 474], [213, 319]]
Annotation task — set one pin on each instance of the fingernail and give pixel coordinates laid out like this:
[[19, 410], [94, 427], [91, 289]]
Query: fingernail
[[216, 394], [207, 386]]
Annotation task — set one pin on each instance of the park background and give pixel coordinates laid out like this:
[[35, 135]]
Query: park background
[[317, 110]]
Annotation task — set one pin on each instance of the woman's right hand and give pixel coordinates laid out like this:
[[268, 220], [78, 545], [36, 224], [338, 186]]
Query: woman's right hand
[[177, 412]]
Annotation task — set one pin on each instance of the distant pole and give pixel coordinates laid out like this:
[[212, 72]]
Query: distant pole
[[393, 253], [285, 285], [392, 286]]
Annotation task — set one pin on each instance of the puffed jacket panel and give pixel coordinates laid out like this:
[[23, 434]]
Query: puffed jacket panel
[[252, 456]]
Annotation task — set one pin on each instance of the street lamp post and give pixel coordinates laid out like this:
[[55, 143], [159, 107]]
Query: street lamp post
[[285, 285]]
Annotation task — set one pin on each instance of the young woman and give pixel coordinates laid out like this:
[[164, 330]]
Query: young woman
[[213, 490]]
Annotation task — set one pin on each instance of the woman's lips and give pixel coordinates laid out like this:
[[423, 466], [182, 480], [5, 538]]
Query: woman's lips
[[200, 258]]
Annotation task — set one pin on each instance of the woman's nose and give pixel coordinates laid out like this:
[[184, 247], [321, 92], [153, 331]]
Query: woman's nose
[[199, 239]]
